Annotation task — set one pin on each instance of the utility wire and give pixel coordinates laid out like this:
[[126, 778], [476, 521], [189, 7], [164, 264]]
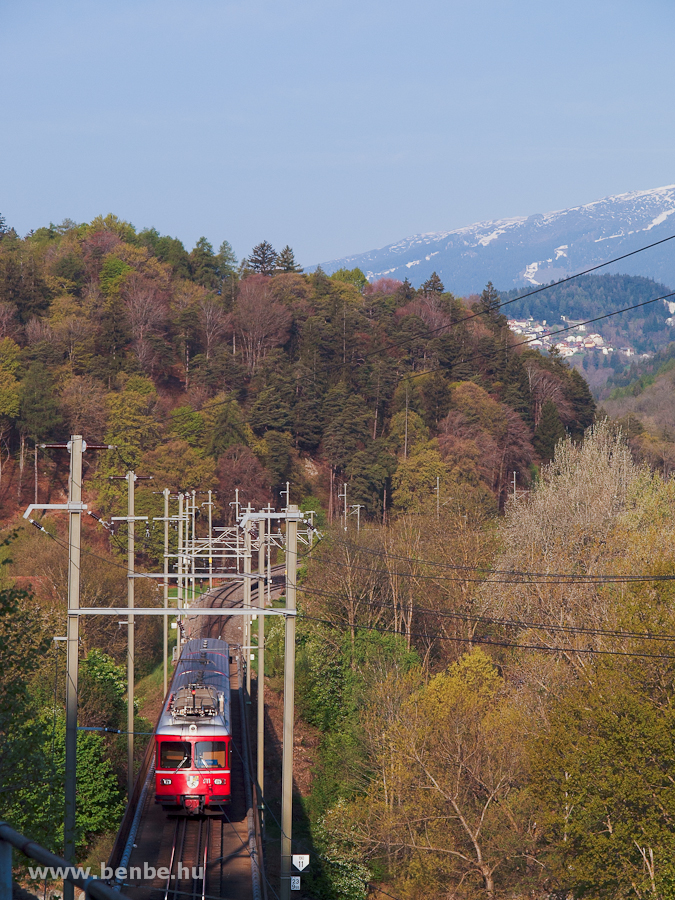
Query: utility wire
[[384, 554], [510, 576], [430, 562], [487, 641], [434, 612], [555, 578], [510, 623], [496, 350], [499, 306]]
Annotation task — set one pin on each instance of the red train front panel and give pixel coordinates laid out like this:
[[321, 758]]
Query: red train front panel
[[192, 773]]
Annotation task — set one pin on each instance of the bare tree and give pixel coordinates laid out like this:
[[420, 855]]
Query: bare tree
[[429, 308], [215, 322], [545, 386], [147, 313], [490, 436], [564, 526], [72, 335], [38, 330], [4, 445], [184, 307], [84, 408], [9, 324], [355, 577], [239, 468], [260, 322]]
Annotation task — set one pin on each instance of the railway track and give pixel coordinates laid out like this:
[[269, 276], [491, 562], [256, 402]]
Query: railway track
[[176, 857], [201, 857], [228, 594]]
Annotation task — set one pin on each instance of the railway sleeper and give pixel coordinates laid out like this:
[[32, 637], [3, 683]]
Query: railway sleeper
[[193, 805]]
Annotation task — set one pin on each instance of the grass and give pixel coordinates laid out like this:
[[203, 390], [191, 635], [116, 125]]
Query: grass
[[99, 851], [149, 691]]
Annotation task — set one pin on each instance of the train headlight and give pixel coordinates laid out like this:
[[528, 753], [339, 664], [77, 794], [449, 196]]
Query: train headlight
[[217, 780], [165, 781]]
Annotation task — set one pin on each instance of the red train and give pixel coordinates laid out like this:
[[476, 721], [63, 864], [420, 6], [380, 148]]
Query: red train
[[194, 735]]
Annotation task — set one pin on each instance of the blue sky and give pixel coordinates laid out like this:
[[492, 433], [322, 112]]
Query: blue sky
[[335, 126]]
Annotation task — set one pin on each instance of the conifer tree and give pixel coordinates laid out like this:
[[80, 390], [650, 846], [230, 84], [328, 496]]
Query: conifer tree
[[433, 285], [490, 301], [286, 261], [226, 259], [407, 291], [204, 265], [227, 270], [40, 416], [490, 298], [549, 431], [271, 410], [263, 258]]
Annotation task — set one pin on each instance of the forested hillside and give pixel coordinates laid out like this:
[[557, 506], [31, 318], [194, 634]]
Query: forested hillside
[[485, 679], [224, 375]]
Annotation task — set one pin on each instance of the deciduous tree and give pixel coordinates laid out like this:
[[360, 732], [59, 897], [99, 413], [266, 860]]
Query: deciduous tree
[[261, 322]]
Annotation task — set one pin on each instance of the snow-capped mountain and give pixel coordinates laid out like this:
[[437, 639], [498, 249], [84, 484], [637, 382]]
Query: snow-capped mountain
[[536, 249]]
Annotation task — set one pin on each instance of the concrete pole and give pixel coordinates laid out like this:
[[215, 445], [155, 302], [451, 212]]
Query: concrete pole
[[72, 647], [405, 447], [247, 602], [131, 565], [261, 664], [166, 493], [236, 513], [289, 704], [210, 542], [194, 544], [269, 558], [179, 578]]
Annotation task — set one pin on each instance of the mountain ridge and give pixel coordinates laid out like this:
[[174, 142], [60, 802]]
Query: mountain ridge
[[531, 250]]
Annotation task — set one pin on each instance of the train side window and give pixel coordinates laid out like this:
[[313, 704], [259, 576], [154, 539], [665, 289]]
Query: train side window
[[210, 754], [174, 755]]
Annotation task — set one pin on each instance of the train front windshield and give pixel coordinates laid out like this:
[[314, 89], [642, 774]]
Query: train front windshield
[[211, 755], [175, 755]]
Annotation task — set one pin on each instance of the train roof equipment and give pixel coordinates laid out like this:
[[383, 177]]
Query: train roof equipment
[[199, 699]]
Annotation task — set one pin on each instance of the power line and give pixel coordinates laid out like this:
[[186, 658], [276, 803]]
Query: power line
[[562, 578], [490, 641], [511, 623], [549, 334], [503, 622], [429, 562], [511, 577], [499, 306], [474, 640]]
